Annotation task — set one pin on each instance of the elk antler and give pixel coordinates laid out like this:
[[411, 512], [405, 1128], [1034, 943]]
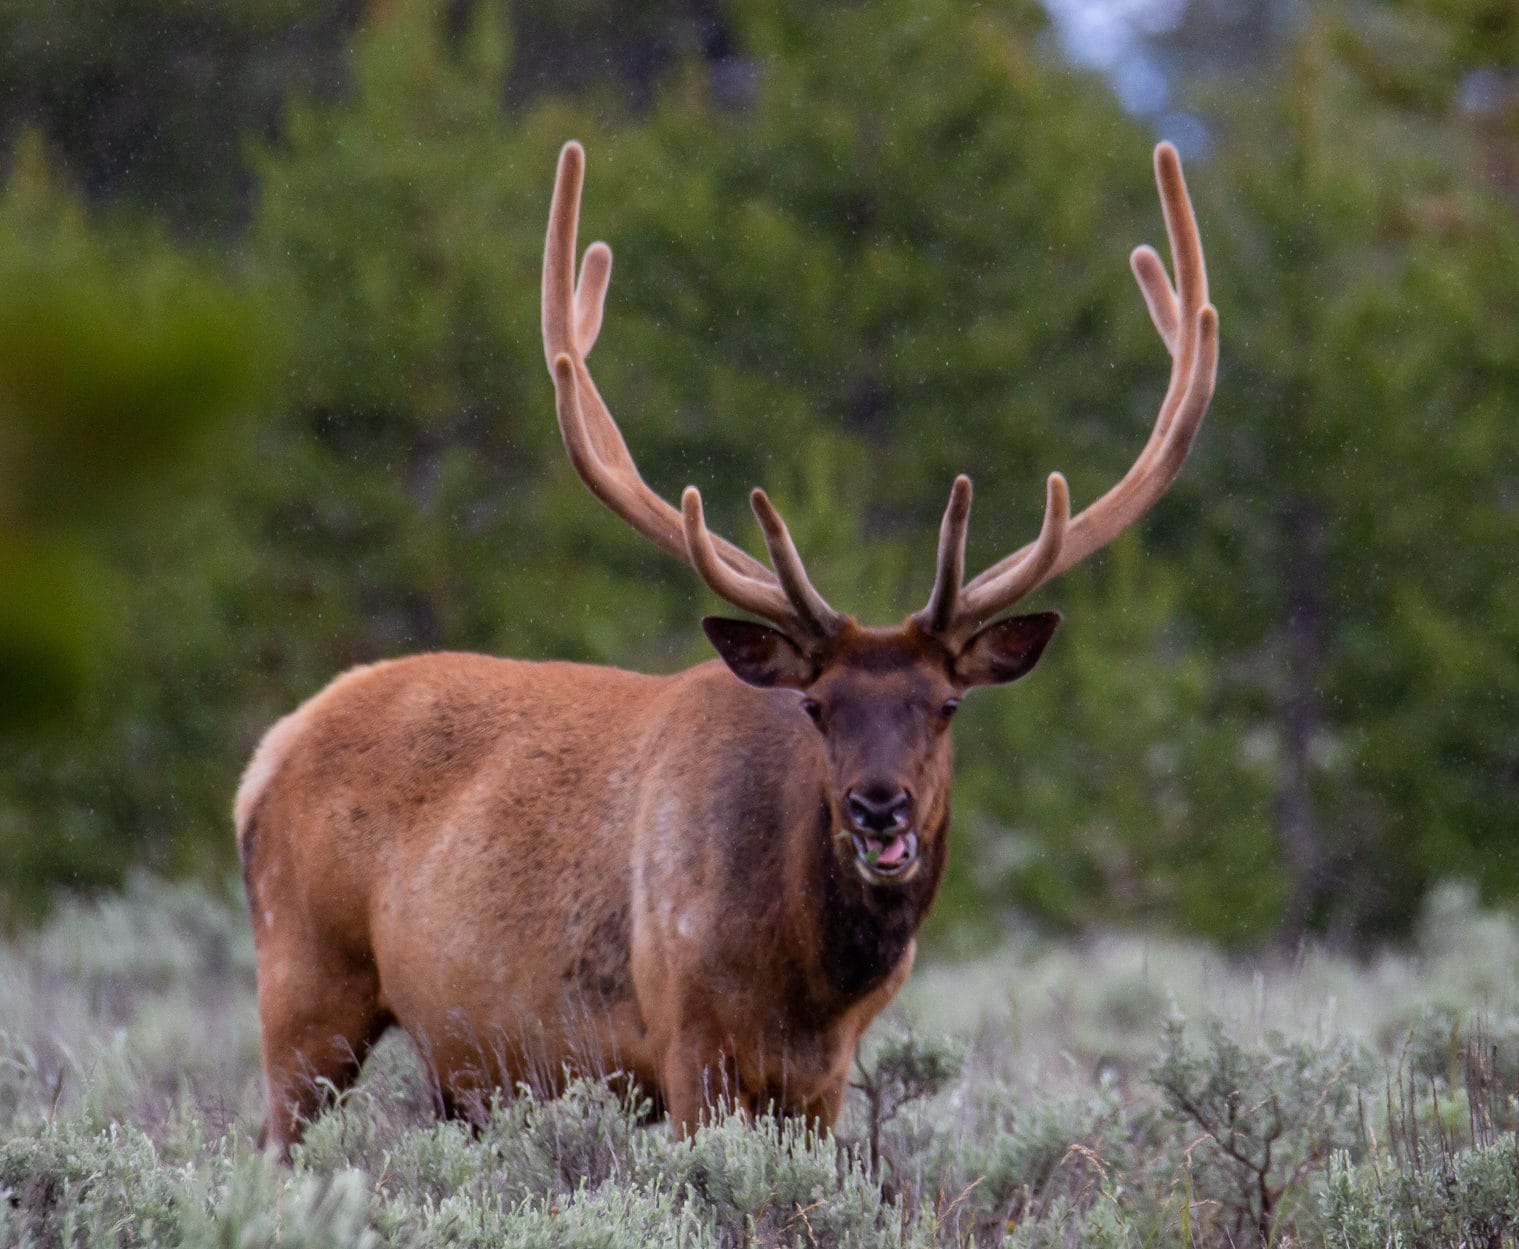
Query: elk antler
[[571, 320], [1188, 326]]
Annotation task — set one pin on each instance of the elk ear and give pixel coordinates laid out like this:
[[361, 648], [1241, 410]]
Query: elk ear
[[1006, 650], [759, 655]]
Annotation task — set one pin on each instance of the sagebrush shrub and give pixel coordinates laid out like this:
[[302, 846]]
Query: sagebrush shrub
[[1271, 1116], [1469, 1198], [129, 1097]]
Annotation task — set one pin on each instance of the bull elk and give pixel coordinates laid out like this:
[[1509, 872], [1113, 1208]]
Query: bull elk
[[710, 881]]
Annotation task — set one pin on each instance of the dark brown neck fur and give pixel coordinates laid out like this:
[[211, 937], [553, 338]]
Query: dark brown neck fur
[[863, 930]]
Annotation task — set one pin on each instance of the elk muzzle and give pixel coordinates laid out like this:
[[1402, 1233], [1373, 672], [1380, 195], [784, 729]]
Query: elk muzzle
[[878, 821]]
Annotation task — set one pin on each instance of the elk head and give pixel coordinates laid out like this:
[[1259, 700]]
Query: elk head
[[882, 699]]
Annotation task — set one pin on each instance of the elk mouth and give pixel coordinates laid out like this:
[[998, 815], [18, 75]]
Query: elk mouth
[[886, 858]]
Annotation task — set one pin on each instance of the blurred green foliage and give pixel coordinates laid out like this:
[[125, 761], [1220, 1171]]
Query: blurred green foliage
[[860, 249], [155, 103], [123, 361]]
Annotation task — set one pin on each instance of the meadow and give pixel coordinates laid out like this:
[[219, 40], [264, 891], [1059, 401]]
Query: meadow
[[273, 403], [1116, 1090]]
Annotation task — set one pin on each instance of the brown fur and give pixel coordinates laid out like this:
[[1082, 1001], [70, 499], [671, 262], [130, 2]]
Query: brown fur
[[533, 866]]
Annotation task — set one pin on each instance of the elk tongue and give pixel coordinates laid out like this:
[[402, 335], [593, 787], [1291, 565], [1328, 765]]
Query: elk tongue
[[892, 853]]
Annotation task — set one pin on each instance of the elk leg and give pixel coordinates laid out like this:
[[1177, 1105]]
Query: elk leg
[[685, 1096], [822, 1110], [317, 1030], [694, 1089]]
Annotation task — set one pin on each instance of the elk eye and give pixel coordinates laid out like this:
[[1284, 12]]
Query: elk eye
[[949, 708], [814, 710]]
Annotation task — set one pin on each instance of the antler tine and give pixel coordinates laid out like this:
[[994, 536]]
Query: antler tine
[[591, 294], [572, 314], [1150, 272], [820, 618], [984, 597], [559, 255], [1173, 310], [1181, 229], [949, 568], [1188, 326], [763, 598]]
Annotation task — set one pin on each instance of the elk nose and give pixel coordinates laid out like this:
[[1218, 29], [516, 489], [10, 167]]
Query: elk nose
[[878, 810]]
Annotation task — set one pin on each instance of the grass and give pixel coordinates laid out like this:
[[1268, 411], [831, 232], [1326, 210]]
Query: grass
[[1118, 1091]]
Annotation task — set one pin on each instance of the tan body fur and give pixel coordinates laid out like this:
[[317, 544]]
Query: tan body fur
[[530, 866]]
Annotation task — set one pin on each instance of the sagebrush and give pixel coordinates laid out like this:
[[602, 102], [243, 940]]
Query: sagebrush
[[1119, 1091]]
